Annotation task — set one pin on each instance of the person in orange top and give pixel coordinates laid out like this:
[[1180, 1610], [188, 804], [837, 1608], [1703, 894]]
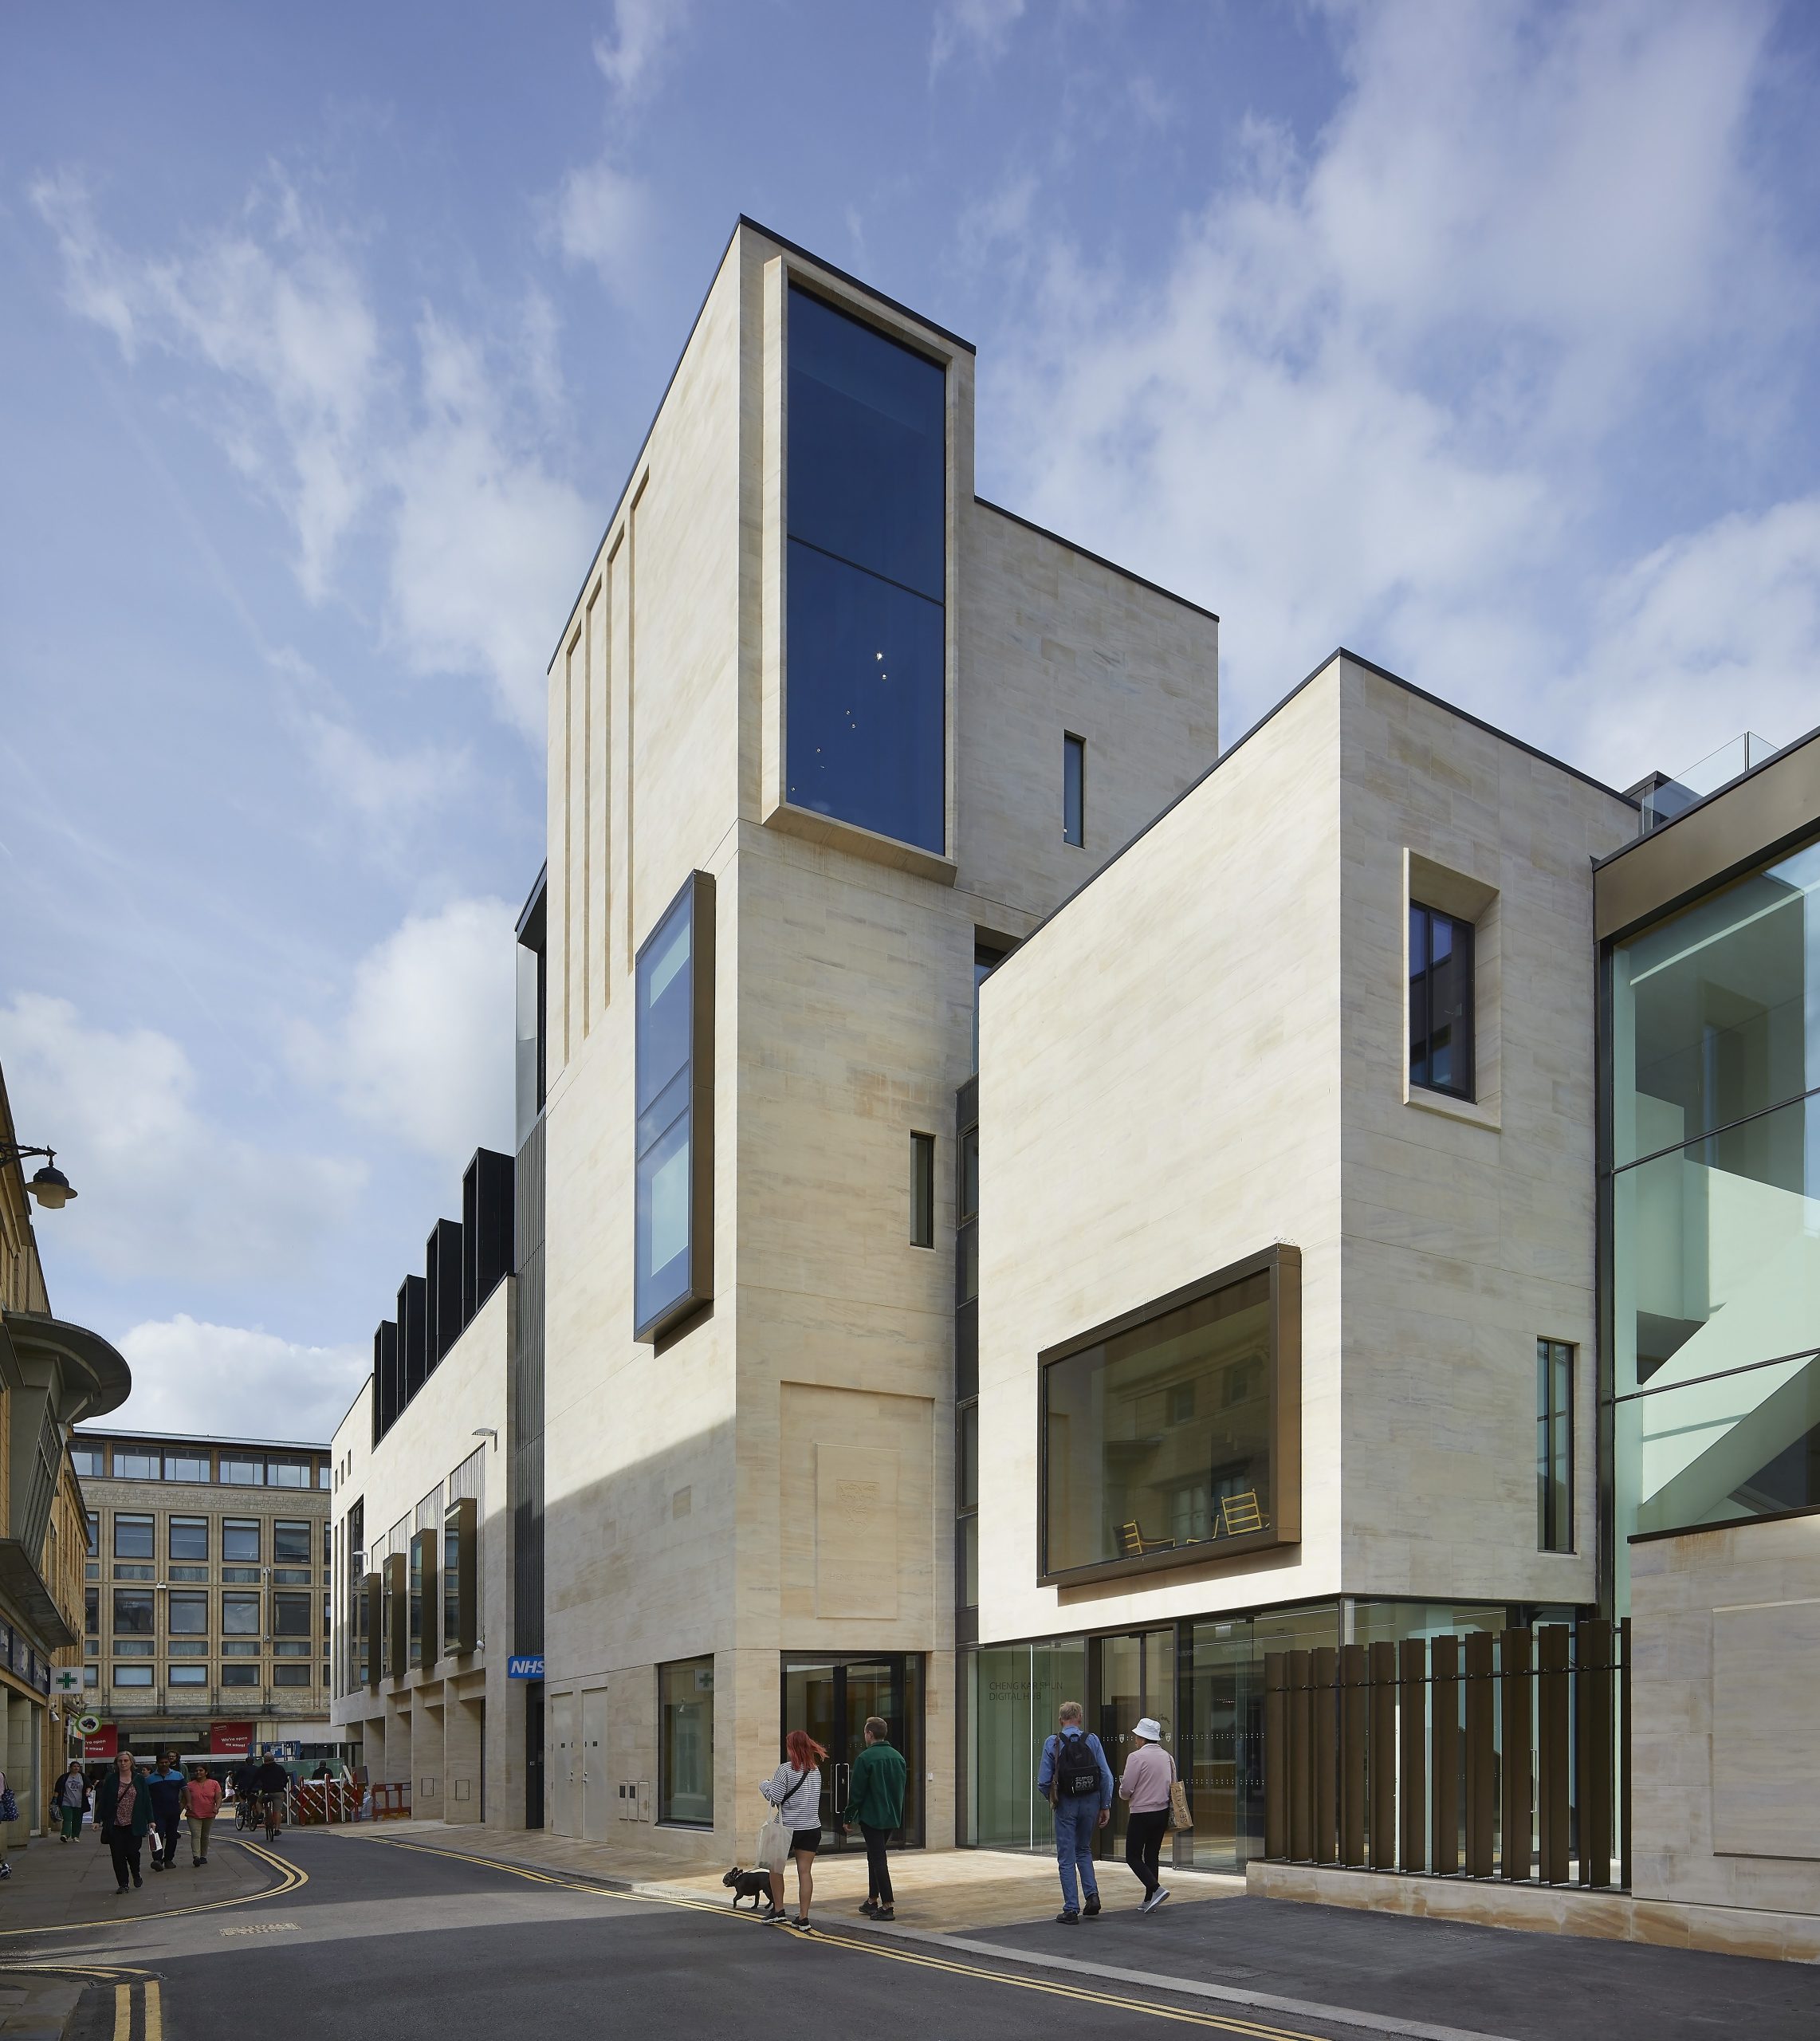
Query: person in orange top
[[201, 1803]]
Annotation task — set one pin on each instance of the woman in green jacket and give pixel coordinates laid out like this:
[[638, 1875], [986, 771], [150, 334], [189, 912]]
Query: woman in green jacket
[[122, 1814], [875, 1799]]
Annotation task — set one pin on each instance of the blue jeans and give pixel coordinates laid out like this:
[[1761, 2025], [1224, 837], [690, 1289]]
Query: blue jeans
[[1076, 1823]]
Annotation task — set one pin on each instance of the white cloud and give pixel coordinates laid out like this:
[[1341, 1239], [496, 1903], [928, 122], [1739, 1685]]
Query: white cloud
[[162, 1189], [274, 303], [643, 31], [600, 217], [488, 542], [1716, 630], [236, 1381], [424, 1050], [1368, 400], [482, 538], [982, 27]]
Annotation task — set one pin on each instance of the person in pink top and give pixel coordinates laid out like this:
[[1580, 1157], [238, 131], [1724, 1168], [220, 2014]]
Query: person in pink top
[[201, 1803], [1149, 1772]]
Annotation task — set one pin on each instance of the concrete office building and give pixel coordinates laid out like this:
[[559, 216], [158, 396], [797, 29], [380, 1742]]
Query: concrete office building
[[207, 1618], [828, 735], [52, 1373]]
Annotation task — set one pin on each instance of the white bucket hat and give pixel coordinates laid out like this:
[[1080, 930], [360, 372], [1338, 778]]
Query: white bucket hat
[[1150, 1728]]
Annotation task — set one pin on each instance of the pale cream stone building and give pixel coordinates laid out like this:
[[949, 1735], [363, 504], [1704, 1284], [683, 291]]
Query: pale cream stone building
[[848, 732], [1013, 1205]]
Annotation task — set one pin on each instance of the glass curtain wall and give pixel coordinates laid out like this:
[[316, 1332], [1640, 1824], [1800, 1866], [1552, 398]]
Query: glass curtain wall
[[866, 702], [1715, 1209]]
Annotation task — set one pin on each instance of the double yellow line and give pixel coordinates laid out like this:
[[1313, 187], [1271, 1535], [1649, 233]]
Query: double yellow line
[[866, 1945], [150, 2001]]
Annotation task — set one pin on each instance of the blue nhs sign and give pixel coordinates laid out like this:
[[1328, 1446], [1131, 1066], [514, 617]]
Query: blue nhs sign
[[525, 1668]]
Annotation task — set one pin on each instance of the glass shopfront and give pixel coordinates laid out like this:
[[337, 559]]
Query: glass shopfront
[[1202, 1679], [1713, 1131]]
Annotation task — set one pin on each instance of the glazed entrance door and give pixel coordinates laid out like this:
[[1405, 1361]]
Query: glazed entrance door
[[831, 1698], [1131, 1678]]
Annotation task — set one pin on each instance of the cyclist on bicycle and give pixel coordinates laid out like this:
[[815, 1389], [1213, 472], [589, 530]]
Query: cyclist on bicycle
[[271, 1782], [246, 1791]]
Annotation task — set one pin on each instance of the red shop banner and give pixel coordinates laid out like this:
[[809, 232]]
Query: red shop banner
[[230, 1739], [104, 1743]]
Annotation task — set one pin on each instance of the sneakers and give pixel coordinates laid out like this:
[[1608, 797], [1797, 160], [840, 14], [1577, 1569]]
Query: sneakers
[[1155, 1899], [868, 1906], [1092, 1905], [802, 1926], [772, 1911], [884, 1913], [1068, 1918]]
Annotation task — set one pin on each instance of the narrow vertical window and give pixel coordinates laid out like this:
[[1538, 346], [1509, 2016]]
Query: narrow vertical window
[[1440, 1002], [674, 1164], [990, 951], [967, 1502], [1554, 1445], [1074, 788], [967, 1219], [922, 1190]]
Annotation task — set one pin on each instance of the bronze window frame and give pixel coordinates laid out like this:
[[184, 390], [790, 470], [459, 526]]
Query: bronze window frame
[[1281, 1264]]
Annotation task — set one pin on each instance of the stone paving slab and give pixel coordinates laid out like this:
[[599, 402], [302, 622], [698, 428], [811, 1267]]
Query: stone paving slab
[[57, 1884], [952, 1890]]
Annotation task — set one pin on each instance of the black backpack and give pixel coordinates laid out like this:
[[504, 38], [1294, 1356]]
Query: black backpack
[[1077, 1773]]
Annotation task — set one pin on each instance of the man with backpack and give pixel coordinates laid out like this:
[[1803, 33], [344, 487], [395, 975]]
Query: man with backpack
[[1076, 1781]]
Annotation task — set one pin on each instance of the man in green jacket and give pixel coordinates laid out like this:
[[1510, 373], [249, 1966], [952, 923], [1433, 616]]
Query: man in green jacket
[[875, 1799]]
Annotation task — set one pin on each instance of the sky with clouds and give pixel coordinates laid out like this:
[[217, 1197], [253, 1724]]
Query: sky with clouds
[[1478, 339]]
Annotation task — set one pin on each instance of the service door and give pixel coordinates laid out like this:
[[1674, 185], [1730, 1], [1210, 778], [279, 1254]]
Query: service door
[[595, 1791], [562, 1763]]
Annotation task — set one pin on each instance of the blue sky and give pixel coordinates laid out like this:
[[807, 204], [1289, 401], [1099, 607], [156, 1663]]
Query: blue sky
[[1476, 338]]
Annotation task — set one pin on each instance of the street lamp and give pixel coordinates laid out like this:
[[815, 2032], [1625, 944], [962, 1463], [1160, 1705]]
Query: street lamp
[[51, 1188]]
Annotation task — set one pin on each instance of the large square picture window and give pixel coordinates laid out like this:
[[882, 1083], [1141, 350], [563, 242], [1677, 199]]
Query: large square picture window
[[866, 516], [1172, 1435], [673, 1229]]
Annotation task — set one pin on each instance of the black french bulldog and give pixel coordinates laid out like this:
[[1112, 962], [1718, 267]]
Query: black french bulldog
[[754, 1885]]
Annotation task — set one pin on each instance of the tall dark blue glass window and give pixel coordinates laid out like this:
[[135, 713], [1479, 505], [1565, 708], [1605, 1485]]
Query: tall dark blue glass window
[[865, 705], [673, 1220]]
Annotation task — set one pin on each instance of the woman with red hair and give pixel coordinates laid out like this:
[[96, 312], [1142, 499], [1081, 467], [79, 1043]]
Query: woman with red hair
[[794, 1790]]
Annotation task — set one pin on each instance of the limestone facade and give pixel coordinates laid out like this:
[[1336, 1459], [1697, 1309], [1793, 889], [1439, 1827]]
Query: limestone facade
[[1205, 1054], [775, 1477], [1724, 1760]]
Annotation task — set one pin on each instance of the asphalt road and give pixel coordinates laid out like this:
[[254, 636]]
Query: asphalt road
[[401, 1942]]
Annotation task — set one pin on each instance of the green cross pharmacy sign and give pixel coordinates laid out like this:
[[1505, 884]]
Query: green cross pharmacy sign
[[67, 1679]]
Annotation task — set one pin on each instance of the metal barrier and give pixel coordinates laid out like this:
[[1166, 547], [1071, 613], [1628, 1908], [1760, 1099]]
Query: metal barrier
[[315, 1802], [1399, 1757]]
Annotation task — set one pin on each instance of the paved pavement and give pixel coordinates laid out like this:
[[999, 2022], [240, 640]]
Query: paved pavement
[[397, 1937]]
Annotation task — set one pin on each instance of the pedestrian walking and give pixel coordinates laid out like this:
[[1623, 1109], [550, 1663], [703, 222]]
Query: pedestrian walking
[[201, 1803], [1149, 1775], [794, 1790], [165, 1783], [72, 1797], [122, 1814], [1076, 1781], [8, 1814], [875, 1800]]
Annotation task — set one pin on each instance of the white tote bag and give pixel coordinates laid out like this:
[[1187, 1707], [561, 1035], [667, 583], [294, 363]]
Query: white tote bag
[[773, 1843]]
